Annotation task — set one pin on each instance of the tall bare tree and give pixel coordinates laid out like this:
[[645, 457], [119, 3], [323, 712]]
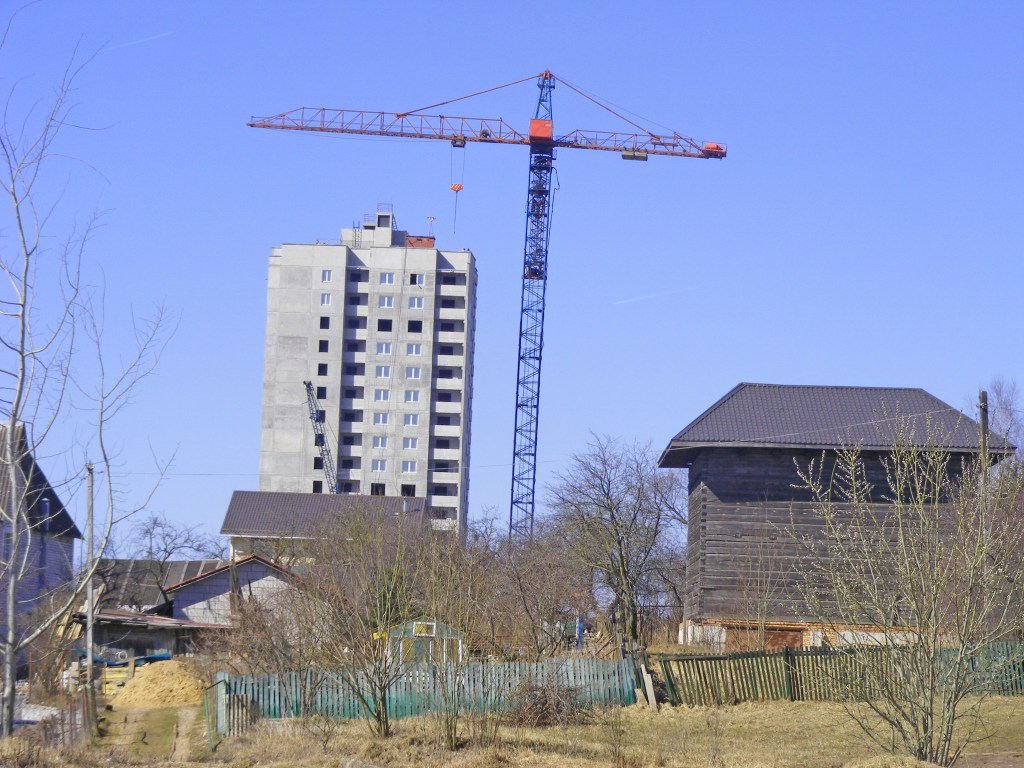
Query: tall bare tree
[[50, 331], [623, 520], [922, 580]]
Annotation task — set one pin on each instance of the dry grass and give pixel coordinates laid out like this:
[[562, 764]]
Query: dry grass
[[777, 735]]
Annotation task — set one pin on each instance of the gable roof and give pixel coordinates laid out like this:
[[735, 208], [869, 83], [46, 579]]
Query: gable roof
[[136, 583], [229, 566], [823, 417], [46, 511], [300, 515]]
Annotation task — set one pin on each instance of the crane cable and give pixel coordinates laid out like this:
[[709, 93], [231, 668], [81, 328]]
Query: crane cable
[[463, 98]]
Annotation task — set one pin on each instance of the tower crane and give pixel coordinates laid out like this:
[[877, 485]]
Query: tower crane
[[542, 141], [316, 416]]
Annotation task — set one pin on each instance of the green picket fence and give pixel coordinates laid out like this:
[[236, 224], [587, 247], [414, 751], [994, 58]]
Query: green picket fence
[[238, 700], [815, 674]]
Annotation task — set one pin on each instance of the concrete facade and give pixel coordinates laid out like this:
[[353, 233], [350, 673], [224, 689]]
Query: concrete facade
[[382, 324]]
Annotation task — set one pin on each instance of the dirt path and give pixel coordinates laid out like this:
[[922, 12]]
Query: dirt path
[[182, 746]]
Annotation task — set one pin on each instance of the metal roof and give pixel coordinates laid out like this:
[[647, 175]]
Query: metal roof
[[45, 509], [228, 566], [822, 417], [300, 515], [135, 584]]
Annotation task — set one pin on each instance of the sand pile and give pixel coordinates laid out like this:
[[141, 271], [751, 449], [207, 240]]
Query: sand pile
[[160, 684]]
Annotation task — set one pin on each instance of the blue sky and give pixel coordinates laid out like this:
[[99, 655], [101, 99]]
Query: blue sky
[[865, 229]]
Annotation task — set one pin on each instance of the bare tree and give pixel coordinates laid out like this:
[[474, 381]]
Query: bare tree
[[49, 328], [921, 580], [158, 541], [623, 520]]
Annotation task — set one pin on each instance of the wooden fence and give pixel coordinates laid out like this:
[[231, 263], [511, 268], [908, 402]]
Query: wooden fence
[[233, 702], [814, 674]]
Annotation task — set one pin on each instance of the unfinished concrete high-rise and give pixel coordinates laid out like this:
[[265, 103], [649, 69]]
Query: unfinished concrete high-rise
[[382, 325]]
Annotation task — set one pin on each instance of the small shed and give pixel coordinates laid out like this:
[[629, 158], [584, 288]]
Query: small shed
[[425, 641]]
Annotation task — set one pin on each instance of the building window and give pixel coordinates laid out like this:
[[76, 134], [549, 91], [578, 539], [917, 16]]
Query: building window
[[414, 349], [385, 302], [447, 327], [412, 372], [412, 395], [383, 371], [383, 325], [354, 369], [444, 421], [318, 440], [449, 280], [410, 443], [444, 397], [321, 393], [415, 326], [321, 417], [325, 299], [415, 302], [446, 373], [356, 276], [355, 346], [412, 419], [321, 369], [318, 486], [440, 490], [383, 347], [442, 466], [355, 300], [376, 489], [347, 464], [381, 395], [355, 322], [353, 393], [380, 419], [325, 323], [348, 440], [325, 276], [380, 441], [442, 443], [408, 466], [387, 278], [447, 303], [346, 487], [323, 345], [415, 278], [318, 463], [408, 490], [379, 465]]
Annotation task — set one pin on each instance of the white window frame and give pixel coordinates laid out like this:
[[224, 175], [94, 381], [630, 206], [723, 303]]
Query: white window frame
[[383, 347], [381, 395], [387, 278], [415, 302], [379, 465], [380, 441], [414, 349], [412, 372], [412, 420], [385, 301], [325, 275], [383, 372], [412, 395], [380, 419], [416, 278], [325, 299], [410, 443], [408, 467]]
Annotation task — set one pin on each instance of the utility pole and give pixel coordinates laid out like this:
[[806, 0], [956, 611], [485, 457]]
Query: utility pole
[[89, 607], [983, 418]]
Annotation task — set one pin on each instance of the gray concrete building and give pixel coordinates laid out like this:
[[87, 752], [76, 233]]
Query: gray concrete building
[[382, 324]]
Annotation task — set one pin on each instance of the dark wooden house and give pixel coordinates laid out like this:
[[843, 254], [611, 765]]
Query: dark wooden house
[[743, 455]]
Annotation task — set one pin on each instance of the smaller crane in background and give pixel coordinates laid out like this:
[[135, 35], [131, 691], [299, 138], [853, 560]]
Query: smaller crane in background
[[316, 416]]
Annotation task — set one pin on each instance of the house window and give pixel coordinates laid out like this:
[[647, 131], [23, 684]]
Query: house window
[[385, 302], [380, 419], [325, 276], [408, 466], [379, 465], [325, 299], [318, 486], [409, 490], [381, 395], [376, 489], [321, 369], [323, 345], [383, 325], [383, 347], [415, 326], [380, 441], [410, 443], [318, 463], [414, 349], [383, 371], [413, 372], [325, 323], [415, 302], [321, 393], [387, 278], [412, 419], [415, 278], [412, 395]]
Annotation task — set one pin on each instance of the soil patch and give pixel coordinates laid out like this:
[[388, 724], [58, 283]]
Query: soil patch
[[160, 684]]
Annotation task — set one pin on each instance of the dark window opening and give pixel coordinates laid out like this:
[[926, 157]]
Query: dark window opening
[[383, 325], [351, 394], [353, 346], [444, 397], [318, 463], [415, 326], [409, 490], [321, 393], [348, 440], [325, 323], [318, 486], [355, 276], [318, 440], [355, 300], [447, 327], [446, 350], [449, 280], [347, 464], [321, 417], [348, 487], [321, 369], [323, 346], [447, 303], [446, 373], [442, 442], [376, 489], [444, 421]]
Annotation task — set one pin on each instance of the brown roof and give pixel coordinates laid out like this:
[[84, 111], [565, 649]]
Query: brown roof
[[823, 417], [300, 515]]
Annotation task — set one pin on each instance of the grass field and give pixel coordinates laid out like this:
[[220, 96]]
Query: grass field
[[777, 735]]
